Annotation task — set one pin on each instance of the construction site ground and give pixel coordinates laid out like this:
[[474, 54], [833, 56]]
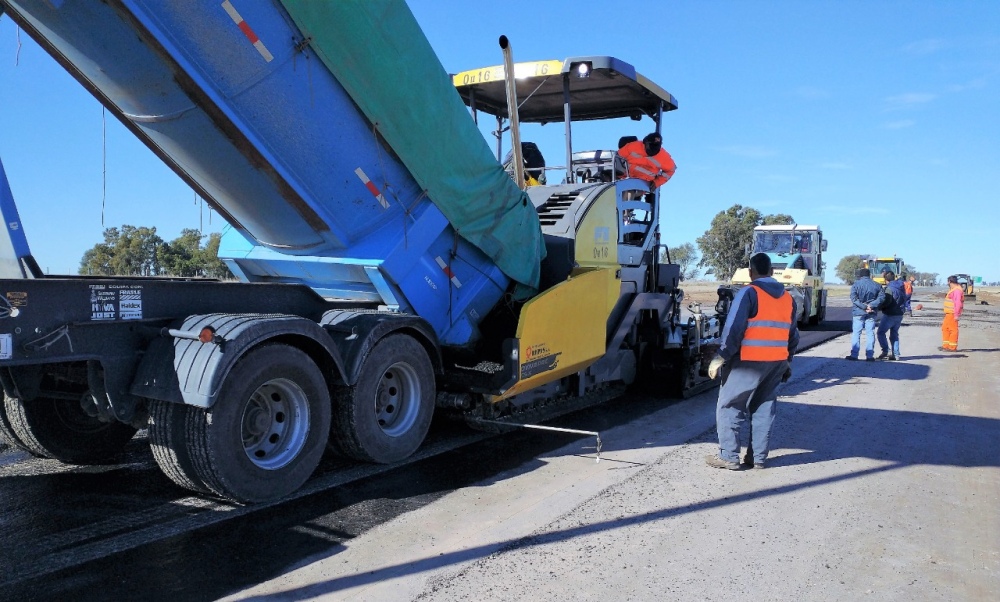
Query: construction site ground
[[883, 484]]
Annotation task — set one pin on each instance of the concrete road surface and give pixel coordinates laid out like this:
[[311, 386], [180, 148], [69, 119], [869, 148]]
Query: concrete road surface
[[883, 484]]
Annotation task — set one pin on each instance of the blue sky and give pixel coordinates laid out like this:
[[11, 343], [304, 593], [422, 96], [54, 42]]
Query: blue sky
[[876, 120]]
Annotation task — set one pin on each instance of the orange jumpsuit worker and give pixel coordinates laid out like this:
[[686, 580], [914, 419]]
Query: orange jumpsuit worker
[[954, 302], [648, 161], [908, 289]]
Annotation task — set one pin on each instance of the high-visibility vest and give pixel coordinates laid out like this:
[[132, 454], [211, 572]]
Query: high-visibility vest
[[908, 287], [658, 168], [949, 305], [766, 337]]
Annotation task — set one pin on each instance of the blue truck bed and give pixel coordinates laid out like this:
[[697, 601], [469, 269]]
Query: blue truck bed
[[339, 161]]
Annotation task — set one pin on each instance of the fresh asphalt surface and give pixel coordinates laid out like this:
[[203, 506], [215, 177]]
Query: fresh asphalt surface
[[123, 531]]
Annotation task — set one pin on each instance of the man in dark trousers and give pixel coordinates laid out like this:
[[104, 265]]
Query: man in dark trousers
[[866, 297], [758, 342], [893, 309]]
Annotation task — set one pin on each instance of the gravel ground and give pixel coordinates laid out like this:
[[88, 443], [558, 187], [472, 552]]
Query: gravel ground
[[883, 484]]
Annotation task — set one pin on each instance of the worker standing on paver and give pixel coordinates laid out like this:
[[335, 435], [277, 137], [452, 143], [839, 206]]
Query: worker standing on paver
[[648, 160], [954, 303], [757, 346]]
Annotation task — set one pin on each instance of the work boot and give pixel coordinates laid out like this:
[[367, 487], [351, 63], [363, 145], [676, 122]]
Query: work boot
[[758, 466], [892, 357], [883, 355], [852, 358], [717, 462]]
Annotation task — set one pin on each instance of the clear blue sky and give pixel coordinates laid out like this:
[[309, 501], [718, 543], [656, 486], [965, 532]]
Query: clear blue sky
[[879, 121]]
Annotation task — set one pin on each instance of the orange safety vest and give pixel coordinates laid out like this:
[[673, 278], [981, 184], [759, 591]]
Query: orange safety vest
[[766, 337], [908, 287], [659, 168]]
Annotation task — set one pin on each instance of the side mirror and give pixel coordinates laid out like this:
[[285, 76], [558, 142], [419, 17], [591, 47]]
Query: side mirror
[[822, 246]]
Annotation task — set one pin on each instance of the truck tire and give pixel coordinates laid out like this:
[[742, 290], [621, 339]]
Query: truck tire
[[819, 317], [168, 438], [7, 436], [806, 308], [385, 416], [59, 429], [263, 437]]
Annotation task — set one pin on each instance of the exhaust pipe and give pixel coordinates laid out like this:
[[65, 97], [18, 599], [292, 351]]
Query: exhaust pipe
[[515, 126]]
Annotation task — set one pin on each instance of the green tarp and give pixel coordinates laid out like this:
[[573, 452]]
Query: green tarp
[[378, 53]]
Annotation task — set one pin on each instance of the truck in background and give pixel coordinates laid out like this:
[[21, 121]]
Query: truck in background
[[878, 265], [968, 285], [796, 253], [389, 265]]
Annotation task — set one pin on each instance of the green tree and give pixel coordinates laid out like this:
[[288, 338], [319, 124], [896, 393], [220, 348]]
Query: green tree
[[686, 257], [96, 261], [214, 267], [129, 251], [777, 219], [848, 266], [132, 251], [181, 256], [725, 246]]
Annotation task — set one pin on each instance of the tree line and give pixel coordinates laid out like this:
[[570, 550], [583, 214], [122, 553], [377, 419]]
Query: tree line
[[140, 251], [724, 248]]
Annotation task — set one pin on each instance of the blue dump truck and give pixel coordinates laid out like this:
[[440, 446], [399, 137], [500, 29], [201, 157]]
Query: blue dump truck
[[389, 267]]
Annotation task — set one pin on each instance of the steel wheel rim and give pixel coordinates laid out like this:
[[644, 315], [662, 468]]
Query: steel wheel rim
[[75, 418], [275, 423], [397, 399]]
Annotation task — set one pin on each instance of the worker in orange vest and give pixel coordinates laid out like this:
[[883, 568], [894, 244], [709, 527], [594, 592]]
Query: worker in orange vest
[[648, 161], [758, 342], [954, 303], [908, 289]]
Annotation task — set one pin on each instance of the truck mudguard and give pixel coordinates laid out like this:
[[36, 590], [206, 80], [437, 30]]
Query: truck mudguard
[[191, 372], [356, 331]]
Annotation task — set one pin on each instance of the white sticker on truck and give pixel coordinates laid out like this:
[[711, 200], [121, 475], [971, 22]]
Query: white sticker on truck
[[6, 346]]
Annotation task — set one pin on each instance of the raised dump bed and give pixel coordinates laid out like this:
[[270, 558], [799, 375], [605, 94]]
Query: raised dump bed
[[328, 136]]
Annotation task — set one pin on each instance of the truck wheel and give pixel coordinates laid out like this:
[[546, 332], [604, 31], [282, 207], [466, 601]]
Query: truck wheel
[[168, 438], [60, 429], [7, 435], [820, 315], [265, 434], [385, 416]]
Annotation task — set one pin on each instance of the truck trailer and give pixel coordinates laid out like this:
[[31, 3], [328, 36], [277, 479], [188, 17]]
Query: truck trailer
[[389, 267]]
